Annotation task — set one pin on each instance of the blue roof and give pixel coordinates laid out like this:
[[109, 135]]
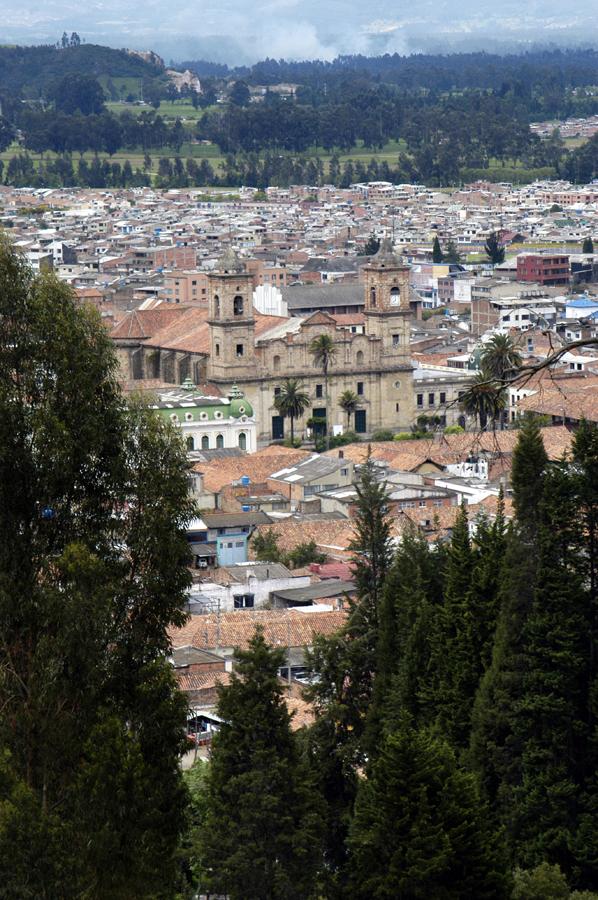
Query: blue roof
[[582, 303]]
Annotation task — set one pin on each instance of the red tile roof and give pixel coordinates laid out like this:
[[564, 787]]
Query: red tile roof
[[282, 628]]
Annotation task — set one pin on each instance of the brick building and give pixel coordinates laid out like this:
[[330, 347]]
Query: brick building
[[543, 268]]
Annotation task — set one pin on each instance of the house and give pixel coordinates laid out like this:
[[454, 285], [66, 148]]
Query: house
[[310, 477], [248, 585]]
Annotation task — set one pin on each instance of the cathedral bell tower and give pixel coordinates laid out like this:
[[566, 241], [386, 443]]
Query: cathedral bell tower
[[230, 320], [387, 310]]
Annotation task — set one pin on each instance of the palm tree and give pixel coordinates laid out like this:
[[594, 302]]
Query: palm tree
[[500, 357], [349, 402], [484, 399], [292, 401], [323, 350]]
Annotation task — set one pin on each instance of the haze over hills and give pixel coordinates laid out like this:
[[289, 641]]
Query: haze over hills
[[230, 31]]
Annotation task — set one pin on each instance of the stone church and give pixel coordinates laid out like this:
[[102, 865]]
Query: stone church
[[231, 343]]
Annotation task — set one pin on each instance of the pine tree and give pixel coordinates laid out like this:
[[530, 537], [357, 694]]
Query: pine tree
[[93, 505], [496, 751], [420, 829], [454, 664], [588, 245], [410, 610], [494, 249], [549, 717], [437, 255], [529, 464], [260, 836]]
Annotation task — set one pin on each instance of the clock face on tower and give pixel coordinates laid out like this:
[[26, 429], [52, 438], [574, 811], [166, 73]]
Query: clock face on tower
[[395, 300]]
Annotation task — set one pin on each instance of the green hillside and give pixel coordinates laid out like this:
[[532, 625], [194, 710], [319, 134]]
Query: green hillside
[[29, 71]]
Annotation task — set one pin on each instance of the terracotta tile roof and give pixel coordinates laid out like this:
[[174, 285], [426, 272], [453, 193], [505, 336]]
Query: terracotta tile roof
[[451, 448], [282, 628], [349, 318], [200, 681], [143, 323], [331, 536], [257, 466], [264, 323], [188, 332], [573, 398]]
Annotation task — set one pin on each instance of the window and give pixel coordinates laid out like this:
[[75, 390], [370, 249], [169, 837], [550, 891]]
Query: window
[[188, 417], [277, 392], [397, 407], [373, 296], [360, 388], [174, 417], [420, 399], [219, 441], [217, 349], [240, 350], [442, 396], [243, 441], [217, 306], [217, 414], [238, 305], [190, 443], [344, 472], [359, 358], [396, 340], [243, 601], [422, 502], [276, 363], [430, 399], [205, 442], [319, 390]]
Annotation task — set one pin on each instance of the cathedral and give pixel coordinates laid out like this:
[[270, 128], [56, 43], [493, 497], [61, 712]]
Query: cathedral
[[230, 343]]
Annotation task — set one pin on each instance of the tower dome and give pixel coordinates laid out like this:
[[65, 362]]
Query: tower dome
[[229, 263]]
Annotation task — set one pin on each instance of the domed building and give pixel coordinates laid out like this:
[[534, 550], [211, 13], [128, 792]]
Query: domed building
[[209, 423]]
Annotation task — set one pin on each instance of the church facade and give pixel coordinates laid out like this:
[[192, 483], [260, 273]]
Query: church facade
[[231, 343]]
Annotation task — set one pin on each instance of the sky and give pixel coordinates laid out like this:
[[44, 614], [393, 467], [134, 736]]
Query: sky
[[239, 32]]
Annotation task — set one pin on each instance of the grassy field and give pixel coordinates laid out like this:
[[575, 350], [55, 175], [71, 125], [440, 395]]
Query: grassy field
[[199, 151]]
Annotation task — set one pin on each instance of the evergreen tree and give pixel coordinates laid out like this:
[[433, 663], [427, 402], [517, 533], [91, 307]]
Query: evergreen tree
[[454, 662], [496, 752], [529, 464], [420, 829], [451, 254], [260, 835], [437, 255], [372, 245], [588, 245], [410, 610], [494, 249], [93, 505]]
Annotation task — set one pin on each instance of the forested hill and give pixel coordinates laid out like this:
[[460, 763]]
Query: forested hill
[[565, 68], [30, 71]]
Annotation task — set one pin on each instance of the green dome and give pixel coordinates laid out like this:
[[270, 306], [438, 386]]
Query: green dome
[[239, 405]]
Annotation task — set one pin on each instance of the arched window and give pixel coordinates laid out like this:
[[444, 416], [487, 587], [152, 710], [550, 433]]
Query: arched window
[[190, 443], [359, 358], [243, 441], [205, 442], [276, 363], [373, 296], [395, 296], [238, 305], [219, 441], [217, 306]]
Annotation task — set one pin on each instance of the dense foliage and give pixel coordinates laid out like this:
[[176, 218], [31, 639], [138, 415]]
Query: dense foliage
[[452, 118], [93, 507]]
